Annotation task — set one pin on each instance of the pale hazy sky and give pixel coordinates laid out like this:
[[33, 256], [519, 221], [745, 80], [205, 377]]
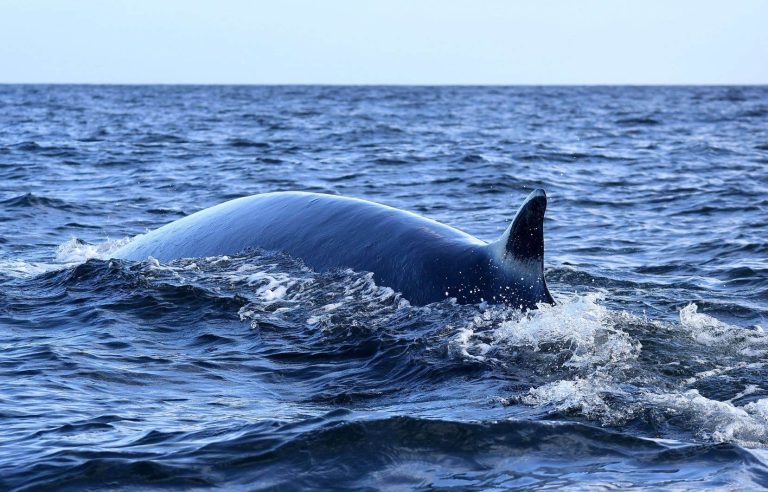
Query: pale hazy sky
[[385, 41]]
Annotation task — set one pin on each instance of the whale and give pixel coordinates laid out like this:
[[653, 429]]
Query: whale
[[424, 260]]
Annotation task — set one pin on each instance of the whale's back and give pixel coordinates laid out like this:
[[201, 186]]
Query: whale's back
[[292, 222], [404, 250], [425, 260]]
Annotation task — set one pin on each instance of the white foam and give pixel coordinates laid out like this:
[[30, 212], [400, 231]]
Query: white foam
[[578, 324], [463, 346], [708, 419], [20, 268], [601, 393], [748, 390], [270, 284], [68, 254], [711, 332], [719, 421], [332, 306], [585, 395], [584, 334], [76, 251], [721, 370], [703, 328]]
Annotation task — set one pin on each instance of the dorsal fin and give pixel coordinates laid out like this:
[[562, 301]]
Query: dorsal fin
[[524, 238]]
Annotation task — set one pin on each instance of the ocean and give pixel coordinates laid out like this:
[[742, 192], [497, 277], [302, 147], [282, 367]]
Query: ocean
[[253, 372]]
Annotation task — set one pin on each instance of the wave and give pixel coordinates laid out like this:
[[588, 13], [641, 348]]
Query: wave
[[643, 121], [577, 357], [33, 200], [246, 143], [41, 149], [160, 138], [339, 451]]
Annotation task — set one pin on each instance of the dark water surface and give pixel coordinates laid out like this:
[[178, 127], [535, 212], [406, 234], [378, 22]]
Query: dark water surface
[[252, 371]]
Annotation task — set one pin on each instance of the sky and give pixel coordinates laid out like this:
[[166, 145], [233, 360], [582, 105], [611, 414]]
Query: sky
[[384, 41]]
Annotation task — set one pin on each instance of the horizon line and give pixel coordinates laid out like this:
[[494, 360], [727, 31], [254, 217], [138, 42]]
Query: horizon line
[[400, 84]]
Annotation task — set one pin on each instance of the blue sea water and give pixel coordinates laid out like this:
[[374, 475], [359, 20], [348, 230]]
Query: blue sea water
[[253, 372]]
